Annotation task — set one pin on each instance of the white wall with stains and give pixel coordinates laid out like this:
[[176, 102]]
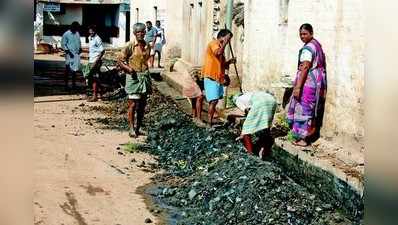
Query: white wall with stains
[[268, 54], [170, 14], [271, 51]]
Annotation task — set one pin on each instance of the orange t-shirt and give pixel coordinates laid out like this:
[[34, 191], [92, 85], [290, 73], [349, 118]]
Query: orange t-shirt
[[214, 67]]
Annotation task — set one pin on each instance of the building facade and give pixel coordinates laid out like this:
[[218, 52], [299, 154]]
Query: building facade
[[266, 43], [272, 43], [112, 18], [169, 13]]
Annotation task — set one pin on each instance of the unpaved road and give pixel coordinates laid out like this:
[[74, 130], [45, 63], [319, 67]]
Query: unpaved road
[[80, 176]]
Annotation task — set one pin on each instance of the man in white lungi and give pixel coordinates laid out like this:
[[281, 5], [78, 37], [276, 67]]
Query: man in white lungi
[[150, 38], [71, 44], [160, 41], [91, 71]]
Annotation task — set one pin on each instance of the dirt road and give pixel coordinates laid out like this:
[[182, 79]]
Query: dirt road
[[82, 176]]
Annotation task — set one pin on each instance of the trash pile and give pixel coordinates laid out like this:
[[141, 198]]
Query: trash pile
[[223, 184], [218, 182]]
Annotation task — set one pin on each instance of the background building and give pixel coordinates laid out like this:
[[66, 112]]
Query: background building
[[266, 43], [112, 18], [272, 43], [169, 13]]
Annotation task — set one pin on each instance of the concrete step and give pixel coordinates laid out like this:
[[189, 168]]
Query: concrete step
[[174, 79]]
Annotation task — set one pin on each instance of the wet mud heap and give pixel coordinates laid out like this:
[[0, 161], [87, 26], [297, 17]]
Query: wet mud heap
[[210, 179], [222, 184]]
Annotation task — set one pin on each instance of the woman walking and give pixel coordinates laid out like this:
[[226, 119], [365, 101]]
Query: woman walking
[[305, 109]]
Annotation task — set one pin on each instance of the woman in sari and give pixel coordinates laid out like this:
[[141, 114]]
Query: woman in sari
[[305, 109]]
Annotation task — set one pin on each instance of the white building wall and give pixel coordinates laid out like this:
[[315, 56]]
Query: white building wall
[[206, 29], [262, 44], [121, 21], [170, 14], [188, 28], [73, 12], [271, 45], [146, 10], [173, 25], [197, 29], [338, 25]]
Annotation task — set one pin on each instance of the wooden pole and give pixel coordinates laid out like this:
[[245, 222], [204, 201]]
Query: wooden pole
[[236, 69]]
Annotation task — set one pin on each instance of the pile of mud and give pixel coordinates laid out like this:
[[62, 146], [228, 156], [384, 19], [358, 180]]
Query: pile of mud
[[218, 182], [222, 184]]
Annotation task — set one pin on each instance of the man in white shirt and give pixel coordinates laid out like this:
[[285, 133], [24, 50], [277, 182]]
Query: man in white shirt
[[71, 44], [160, 41], [95, 53], [150, 38]]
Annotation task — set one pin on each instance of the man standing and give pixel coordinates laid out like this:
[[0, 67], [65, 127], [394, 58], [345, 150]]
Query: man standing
[[160, 41], [150, 38], [213, 70], [71, 44], [96, 51], [134, 61]]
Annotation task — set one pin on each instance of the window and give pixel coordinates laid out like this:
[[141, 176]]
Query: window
[[34, 10]]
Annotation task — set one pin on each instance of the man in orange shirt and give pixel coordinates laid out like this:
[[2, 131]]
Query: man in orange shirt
[[213, 70]]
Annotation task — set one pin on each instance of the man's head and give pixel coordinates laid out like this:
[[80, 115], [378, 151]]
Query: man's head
[[224, 35], [306, 32], [157, 23], [149, 24], [74, 27], [139, 31], [92, 30]]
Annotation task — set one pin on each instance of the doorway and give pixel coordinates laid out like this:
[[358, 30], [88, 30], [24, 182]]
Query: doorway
[[104, 17], [127, 26]]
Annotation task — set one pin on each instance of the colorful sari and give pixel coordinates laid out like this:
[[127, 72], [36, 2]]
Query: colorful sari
[[304, 115]]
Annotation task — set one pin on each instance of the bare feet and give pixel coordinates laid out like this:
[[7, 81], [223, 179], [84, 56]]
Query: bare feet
[[217, 124], [92, 99], [138, 133], [301, 143], [239, 138], [216, 115], [263, 153], [198, 122], [132, 133]]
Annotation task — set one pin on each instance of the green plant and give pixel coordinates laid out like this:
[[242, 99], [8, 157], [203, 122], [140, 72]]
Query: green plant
[[282, 121], [133, 147], [291, 137]]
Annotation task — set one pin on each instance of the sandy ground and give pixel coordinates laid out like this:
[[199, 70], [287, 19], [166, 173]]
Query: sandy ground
[[80, 175]]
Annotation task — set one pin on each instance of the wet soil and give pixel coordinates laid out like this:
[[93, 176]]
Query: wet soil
[[209, 178]]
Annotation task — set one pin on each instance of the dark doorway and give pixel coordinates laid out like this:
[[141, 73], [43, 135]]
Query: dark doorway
[[127, 26], [104, 17]]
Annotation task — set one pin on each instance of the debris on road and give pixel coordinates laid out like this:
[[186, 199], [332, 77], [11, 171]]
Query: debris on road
[[218, 182]]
